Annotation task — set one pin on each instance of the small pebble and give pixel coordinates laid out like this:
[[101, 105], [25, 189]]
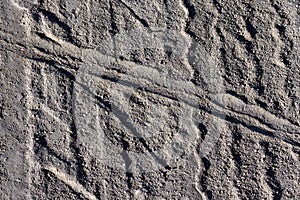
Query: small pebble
[[138, 192]]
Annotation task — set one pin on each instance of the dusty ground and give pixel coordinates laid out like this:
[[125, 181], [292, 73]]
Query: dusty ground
[[170, 99]]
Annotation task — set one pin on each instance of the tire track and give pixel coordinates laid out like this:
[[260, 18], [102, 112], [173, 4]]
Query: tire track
[[81, 174], [203, 178], [251, 52], [247, 43], [38, 95], [236, 156], [245, 164], [286, 48], [235, 107], [250, 116], [271, 178], [201, 181]]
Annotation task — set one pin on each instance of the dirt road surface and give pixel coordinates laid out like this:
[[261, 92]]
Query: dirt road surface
[[163, 99]]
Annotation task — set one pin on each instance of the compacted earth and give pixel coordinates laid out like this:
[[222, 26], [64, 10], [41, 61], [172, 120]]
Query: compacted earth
[[163, 99]]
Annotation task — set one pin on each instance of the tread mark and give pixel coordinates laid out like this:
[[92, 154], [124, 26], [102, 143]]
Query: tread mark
[[271, 179]]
